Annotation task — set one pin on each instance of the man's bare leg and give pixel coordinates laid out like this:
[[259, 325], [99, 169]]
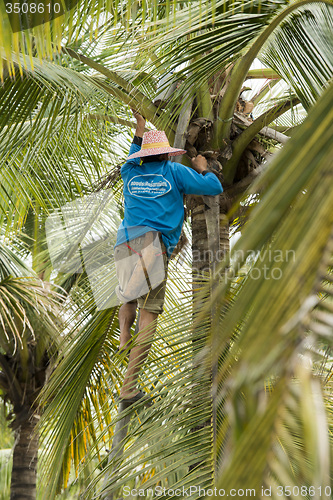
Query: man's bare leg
[[126, 316], [147, 328]]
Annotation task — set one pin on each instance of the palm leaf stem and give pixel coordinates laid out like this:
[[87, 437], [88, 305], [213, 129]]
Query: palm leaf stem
[[205, 108], [180, 135], [271, 133], [243, 140], [266, 73], [288, 131], [204, 101], [264, 91]]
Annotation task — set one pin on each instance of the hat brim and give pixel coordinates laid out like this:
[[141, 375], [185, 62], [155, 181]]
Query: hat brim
[[157, 151]]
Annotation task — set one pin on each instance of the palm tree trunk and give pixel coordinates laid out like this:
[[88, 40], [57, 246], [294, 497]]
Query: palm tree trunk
[[210, 248], [218, 405], [117, 450], [210, 245], [24, 472]]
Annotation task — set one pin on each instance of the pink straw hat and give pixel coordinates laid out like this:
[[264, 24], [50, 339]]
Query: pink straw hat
[[155, 142]]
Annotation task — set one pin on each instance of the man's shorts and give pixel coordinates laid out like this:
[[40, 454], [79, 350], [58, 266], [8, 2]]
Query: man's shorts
[[141, 267]]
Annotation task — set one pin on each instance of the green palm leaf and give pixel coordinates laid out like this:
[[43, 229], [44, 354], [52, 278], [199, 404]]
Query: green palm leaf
[[269, 314], [300, 55]]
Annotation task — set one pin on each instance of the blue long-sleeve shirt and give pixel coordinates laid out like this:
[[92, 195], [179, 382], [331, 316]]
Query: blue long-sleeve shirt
[[153, 194]]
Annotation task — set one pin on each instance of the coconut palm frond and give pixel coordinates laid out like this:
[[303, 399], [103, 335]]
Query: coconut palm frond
[[267, 328], [301, 51], [11, 264], [249, 37], [76, 380], [44, 33], [99, 373], [37, 110], [20, 298], [27, 304]]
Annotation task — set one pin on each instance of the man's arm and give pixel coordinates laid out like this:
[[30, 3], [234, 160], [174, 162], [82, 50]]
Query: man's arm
[[195, 181], [199, 163], [137, 141], [140, 124]]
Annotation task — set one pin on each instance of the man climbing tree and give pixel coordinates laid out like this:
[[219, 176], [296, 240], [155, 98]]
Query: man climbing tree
[[154, 213]]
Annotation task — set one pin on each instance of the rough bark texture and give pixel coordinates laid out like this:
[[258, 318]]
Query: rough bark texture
[[210, 247], [202, 256], [23, 375], [117, 450], [211, 218], [24, 473]]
